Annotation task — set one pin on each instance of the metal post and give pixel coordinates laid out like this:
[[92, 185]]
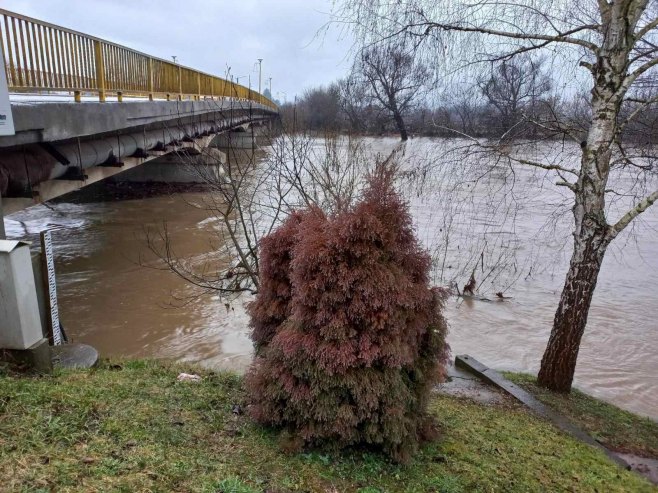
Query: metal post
[[150, 78], [260, 76], [180, 84], [180, 79], [100, 70]]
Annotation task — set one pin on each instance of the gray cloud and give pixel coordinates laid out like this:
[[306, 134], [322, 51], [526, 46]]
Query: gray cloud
[[212, 34]]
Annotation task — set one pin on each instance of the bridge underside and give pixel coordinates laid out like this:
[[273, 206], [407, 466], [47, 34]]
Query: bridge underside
[[59, 148]]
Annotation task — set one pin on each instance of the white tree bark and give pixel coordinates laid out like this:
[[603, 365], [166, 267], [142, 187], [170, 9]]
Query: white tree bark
[[592, 234]]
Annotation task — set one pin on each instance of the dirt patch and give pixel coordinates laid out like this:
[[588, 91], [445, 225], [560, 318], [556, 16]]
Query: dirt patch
[[643, 465], [461, 383]]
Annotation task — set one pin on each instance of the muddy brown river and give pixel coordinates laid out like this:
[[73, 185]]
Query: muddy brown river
[[112, 296]]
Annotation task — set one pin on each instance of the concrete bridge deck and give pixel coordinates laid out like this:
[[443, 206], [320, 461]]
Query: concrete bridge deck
[[43, 121], [60, 147]]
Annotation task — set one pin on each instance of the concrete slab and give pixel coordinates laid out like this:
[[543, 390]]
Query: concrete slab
[[469, 363], [34, 359], [461, 383], [74, 356]]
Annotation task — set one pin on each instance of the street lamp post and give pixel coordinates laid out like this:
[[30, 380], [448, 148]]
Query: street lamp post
[[180, 79], [229, 78], [237, 82], [260, 74]]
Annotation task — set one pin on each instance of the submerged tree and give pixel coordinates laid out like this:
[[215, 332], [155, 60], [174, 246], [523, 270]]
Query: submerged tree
[[250, 192], [358, 111], [615, 42], [514, 88], [321, 108], [349, 335], [394, 78]]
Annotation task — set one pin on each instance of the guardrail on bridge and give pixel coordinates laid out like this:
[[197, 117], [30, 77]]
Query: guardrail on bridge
[[41, 58]]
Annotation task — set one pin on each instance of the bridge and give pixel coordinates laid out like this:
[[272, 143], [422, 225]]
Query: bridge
[[85, 109], [78, 109]]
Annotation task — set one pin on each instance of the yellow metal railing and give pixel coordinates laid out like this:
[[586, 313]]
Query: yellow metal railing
[[41, 57]]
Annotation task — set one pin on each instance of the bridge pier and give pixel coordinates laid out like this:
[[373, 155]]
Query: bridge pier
[[206, 167], [240, 146], [246, 137], [235, 140]]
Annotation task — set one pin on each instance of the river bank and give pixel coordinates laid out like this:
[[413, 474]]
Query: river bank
[[131, 426]]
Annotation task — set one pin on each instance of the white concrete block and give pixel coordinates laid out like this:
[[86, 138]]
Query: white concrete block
[[20, 323]]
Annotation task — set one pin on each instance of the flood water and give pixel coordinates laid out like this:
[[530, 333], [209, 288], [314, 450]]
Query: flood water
[[113, 297]]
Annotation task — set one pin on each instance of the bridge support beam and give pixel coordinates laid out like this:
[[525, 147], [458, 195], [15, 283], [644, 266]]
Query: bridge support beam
[[50, 189], [53, 188]]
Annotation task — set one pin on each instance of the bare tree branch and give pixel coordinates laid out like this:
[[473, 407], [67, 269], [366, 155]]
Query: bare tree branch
[[626, 219]]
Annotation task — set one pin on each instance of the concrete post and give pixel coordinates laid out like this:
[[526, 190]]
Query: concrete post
[[234, 140], [21, 333]]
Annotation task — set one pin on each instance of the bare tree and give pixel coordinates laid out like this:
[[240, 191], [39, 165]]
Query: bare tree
[[394, 77], [251, 190], [615, 42], [353, 96], [464, 104], [321, 108], [513, 88]]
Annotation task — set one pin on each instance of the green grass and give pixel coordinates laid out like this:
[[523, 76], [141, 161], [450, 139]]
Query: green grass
[[619, 430], [132, 427]]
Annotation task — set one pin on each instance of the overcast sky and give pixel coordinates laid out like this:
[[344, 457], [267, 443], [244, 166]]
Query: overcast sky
[[211, 34]]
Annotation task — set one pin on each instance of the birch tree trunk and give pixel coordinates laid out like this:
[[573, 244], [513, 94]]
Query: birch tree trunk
[[559, 362], [592, 234]]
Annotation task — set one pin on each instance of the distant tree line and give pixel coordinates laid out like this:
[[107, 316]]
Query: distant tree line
[[389, 92]]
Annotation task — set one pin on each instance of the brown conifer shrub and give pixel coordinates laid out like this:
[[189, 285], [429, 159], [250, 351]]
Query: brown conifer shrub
[[350, 335], [273, 304]]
